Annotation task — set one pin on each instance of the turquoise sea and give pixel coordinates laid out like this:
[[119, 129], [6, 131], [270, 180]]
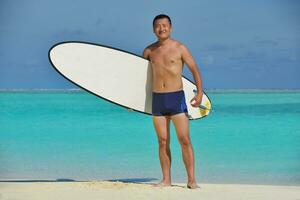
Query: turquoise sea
[[249, 137]]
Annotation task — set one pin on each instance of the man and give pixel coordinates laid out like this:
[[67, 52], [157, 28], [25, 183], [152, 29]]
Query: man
[[167, 57]]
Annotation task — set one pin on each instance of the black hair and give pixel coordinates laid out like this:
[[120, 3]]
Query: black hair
[[161, 16]]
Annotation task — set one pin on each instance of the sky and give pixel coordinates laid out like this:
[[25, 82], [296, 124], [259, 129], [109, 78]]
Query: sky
[[236, 44]]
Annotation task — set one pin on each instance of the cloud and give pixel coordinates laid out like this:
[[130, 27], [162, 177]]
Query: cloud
[[209, 59], [72, 33], [99, 21], [250, 56], [264, 41], [294, 57], [219, 47]]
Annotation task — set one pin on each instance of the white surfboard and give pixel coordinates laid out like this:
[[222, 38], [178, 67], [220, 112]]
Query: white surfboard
[[115, 75]]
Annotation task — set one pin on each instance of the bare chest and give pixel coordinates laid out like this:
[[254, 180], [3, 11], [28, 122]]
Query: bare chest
[[165, 58]]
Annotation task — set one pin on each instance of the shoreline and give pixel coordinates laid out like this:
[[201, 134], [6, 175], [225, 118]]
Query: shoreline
[[142, 191], [141, 181], [205, 90]]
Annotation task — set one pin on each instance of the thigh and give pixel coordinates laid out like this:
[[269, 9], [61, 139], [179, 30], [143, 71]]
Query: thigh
[[181, 124], [162, 126]]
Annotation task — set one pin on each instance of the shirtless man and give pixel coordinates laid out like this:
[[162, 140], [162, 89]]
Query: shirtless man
[[167, 57]]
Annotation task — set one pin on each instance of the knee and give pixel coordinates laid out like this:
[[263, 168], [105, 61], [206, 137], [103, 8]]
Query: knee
[[185, 141], [163, 142]]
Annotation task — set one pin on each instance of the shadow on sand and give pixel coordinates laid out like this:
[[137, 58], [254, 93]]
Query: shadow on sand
[[146, 181], [39, 180]]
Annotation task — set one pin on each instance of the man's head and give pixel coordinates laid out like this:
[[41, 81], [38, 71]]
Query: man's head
[[162, 26], [162, 16]]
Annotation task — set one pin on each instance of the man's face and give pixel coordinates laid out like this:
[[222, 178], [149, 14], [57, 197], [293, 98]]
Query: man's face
[[162, 28]]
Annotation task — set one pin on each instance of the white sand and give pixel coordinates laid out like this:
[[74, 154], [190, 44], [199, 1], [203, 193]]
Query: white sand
[[99, 190]]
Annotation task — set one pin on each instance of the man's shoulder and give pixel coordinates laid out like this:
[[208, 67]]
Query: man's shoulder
[[149, 49], [151, 46], [177, 43]]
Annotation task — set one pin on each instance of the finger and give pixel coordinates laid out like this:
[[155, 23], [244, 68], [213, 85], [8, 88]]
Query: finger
[[194, 104], [193, 98], [193, 101]]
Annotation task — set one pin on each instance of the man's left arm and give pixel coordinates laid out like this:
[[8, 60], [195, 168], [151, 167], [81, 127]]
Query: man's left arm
[[189, 60]]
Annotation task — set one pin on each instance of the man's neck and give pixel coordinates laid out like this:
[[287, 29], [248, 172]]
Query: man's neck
[[163, 41]]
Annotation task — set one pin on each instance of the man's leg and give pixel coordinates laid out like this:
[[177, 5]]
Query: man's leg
[[181, 124], [162, 128]]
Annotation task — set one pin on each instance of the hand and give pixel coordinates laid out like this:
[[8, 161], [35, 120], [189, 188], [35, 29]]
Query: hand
[[196, 101]]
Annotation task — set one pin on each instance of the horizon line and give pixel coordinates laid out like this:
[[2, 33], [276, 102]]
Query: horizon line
[[207, 90]]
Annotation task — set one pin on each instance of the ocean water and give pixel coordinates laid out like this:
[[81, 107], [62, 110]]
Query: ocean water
[[249, 137]]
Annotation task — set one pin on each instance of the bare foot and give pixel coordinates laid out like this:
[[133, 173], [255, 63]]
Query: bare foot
[[163, 184], [192, 186]]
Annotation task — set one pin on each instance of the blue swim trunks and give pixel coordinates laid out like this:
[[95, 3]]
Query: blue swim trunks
[[169, 103]]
